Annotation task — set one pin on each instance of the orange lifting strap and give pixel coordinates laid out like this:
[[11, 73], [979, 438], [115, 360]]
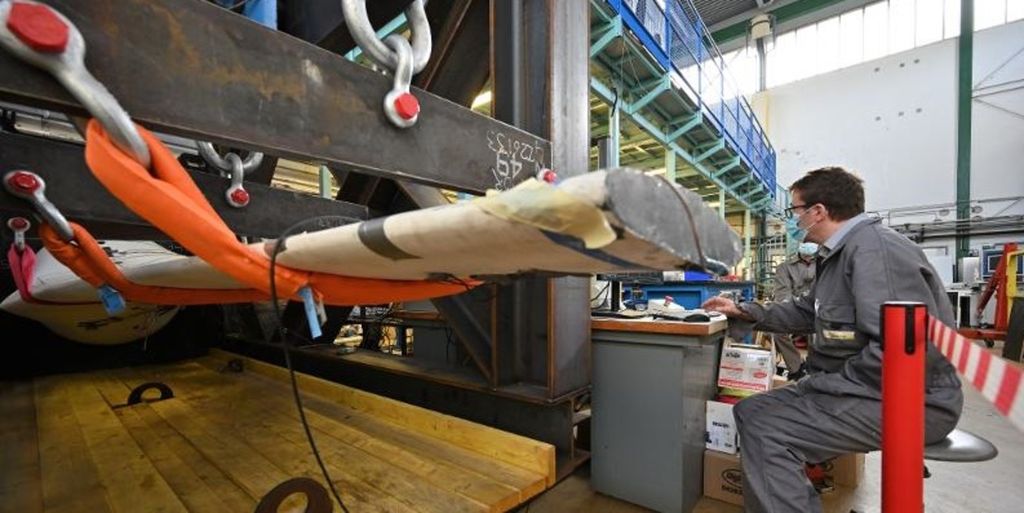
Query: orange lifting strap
[[170, 200], [88, 260]]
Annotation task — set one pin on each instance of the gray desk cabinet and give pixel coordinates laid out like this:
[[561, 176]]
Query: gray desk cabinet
[[649, 393]]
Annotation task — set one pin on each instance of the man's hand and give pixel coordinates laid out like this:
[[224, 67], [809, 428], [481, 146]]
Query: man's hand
[[725, 306]]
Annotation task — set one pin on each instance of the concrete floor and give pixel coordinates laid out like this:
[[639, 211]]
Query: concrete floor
[[993, 486]]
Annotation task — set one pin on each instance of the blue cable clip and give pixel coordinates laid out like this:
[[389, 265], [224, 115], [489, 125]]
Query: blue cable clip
[[311, 308], [113, 301]]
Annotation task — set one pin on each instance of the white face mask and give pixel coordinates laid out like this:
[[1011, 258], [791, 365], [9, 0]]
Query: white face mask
[[807, 249]]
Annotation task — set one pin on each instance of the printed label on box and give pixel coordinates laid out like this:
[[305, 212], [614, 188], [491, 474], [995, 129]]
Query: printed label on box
[[744, 368], [720, 429]]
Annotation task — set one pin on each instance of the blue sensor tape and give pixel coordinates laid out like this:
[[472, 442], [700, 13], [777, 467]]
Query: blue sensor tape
[[310, 306], [113, 301]]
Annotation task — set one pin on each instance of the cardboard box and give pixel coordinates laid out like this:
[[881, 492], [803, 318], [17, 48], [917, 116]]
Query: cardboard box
[[747, 368], [723, 477], [720, 428], [847, 470], [723, 474], [779, 382]]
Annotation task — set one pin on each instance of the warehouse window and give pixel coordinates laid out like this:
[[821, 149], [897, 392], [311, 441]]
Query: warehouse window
[[874, 31], [744, 67]]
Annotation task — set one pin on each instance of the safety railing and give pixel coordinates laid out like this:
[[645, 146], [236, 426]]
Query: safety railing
[[676, 36]]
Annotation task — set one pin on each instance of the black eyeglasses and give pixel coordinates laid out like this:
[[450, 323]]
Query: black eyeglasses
[[789, 211]]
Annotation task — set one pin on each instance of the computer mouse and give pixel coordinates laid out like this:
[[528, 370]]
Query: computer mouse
[[697, 317]]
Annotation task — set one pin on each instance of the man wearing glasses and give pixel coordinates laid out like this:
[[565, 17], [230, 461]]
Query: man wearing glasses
[[836, 409]]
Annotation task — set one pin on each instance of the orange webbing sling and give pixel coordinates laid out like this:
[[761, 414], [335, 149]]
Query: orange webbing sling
[[169, 200], [90, 262]]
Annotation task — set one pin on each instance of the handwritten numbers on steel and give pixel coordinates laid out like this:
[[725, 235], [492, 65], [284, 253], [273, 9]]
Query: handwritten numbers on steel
[[511, 155]]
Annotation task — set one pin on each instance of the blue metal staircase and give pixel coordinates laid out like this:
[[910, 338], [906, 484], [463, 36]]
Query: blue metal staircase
[[656, 69]]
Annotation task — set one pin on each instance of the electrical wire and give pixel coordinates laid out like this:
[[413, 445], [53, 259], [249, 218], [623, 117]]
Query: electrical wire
[[286, 346]]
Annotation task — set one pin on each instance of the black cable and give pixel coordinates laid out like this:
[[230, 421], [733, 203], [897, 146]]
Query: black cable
[[283, 332], [602, 291]]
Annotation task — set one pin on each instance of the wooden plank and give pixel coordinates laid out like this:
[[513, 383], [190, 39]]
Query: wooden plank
[[20, 486], [70, 481], [417, 316], [243, 463], [182, 465], [483, 468], [194, 491], [436, 470], [518, 450], [158, 438], [249, 463], [265, 423], [126, 473], [662, 327], [200, 485], [288, 460], [526, 482]]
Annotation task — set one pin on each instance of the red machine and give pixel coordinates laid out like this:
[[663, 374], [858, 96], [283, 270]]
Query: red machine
[[1002, 284]]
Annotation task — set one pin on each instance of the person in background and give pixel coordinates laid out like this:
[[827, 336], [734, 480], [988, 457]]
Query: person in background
[[792, 279], [836, 409]]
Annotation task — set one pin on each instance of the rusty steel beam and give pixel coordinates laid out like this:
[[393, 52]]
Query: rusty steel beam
[[190, 68]]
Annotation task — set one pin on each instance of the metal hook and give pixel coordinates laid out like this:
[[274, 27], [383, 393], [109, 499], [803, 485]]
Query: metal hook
[[38, 34]]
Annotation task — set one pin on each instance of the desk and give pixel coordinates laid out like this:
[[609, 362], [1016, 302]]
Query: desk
[[650, 383]]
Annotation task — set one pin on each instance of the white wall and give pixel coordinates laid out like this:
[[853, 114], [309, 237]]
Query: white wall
[[893, 121]]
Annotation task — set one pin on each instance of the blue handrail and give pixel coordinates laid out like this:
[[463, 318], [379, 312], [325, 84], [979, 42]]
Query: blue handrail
[[680, 41]]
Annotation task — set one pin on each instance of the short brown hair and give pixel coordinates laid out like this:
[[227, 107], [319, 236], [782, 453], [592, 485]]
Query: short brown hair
[[840, 191]]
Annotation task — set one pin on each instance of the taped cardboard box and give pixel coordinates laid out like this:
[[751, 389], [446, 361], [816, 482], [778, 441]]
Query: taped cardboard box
[[779, 382], [720, 429], [847, 470], [723, 477], [723, 474], [746, 368]]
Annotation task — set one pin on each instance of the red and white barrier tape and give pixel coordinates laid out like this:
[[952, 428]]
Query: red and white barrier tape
[[999, 381]]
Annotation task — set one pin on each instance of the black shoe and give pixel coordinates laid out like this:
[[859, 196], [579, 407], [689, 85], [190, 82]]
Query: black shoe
[[797, 374]]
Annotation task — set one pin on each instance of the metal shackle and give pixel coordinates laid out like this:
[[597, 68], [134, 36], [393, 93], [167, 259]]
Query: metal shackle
[[358, 23], [31, 187], [223, 164], [236, 194], [19, 225], [400, 106]]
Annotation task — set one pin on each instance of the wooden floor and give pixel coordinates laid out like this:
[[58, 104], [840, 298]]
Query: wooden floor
[[70, 445]]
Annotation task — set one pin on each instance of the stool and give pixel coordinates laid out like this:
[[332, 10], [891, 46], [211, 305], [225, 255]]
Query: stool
[[961, 446]]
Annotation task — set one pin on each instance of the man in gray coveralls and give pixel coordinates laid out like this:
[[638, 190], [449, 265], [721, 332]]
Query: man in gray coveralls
[[836, 409], [793, 278]]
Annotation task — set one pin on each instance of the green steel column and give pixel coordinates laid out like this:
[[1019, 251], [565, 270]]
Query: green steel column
[[721, 203], [965, 86], [670, 164], [613, 134], [746, 243], [608, 147], [325, 182]]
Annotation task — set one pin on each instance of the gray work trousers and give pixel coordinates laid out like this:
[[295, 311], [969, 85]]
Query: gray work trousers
[[785, 428], [790, 354]]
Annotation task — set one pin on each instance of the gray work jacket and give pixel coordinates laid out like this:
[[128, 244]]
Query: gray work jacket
[[793, 278], [870, 265]]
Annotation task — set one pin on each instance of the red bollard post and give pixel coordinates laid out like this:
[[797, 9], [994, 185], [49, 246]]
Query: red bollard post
[[904, 325]]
